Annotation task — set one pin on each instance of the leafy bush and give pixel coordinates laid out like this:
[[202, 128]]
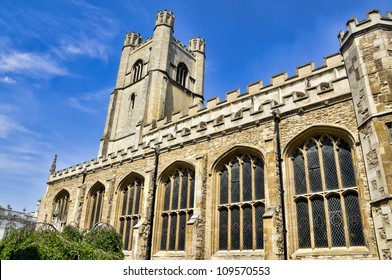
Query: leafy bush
[[70, 244]]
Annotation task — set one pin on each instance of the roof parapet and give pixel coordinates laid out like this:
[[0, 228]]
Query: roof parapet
[[353, 26]]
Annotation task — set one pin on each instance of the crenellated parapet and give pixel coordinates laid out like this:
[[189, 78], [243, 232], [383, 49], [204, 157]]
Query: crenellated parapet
[[132, 39], [373, 19], [197, 45], [311, 88], [165, 18]]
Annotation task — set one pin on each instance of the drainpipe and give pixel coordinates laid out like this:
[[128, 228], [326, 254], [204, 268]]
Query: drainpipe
[[152, 208], [276, 114]]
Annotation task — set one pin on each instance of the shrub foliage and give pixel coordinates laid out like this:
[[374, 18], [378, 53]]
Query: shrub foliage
[[70, 244]]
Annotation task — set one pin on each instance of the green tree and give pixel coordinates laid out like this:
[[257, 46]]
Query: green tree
[[101, 243]]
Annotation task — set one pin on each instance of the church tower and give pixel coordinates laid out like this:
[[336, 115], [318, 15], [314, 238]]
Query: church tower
[[366, 48], [156, 78]]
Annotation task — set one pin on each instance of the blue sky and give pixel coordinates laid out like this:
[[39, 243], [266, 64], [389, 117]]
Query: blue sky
[[59, 61]]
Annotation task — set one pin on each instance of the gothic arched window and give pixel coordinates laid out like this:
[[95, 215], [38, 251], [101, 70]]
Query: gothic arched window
[[326, 195], [130, 198], [241, 203], [182, 73], [177, 203], [95, 204], [60, 207], [137, 71]]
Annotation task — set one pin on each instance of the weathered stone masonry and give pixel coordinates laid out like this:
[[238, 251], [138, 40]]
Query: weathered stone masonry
[[158, 103]]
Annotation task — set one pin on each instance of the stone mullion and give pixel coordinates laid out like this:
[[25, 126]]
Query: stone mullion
[[327, 222], [168, 231], [344, 220], [321, 164], [254, 229], [337, 163], [241, 228], [229, 229], [181, 175], [177, 231], [308, 191]]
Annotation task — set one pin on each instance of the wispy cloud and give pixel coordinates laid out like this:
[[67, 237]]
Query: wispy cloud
[[34, 64], [76, 103], [7, 80], [87, 102], [9, 126]]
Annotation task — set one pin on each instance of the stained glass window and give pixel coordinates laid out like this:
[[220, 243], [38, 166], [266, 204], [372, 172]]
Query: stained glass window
[[241, 178], [130, 200], [178, 195], [329, 171], [95, 204], [60, 210]]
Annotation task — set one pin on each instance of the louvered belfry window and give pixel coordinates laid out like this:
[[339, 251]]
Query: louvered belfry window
[[241, 203], [178, 199], [130, 199], [326, 194]]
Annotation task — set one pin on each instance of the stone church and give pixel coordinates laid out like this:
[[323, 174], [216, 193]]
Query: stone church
[[300, 168]]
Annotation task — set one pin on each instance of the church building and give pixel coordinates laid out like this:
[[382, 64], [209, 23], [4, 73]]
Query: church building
[[297, 168]]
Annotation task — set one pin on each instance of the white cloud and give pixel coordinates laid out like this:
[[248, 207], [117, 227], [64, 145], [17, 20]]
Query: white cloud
[[8, 126], [7, 80], [85, 47], [33, 64], [75, 103]]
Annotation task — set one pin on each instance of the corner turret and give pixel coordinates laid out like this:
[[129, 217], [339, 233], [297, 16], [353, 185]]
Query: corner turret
[[132, 39], [165, 18], [197, 45]]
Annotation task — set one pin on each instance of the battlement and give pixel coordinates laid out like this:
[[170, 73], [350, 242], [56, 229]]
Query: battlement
[[132, 39], [373, 17], [197, 44], [309, 89], [165, 18]]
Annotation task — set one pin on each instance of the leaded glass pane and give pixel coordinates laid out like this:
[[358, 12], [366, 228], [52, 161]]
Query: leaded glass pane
[[94, 205], [182, 232], [137, 202], [259, 179], [303, 224], [331, 179], [131, 198], [336, 222], [314, 167], [175, 191], [247, 180], [235, 228], [184, 190], [259, 226], [389, 125], [192, 193], [99, 207], [299, 173], [223, 186], [353, 217], [167, 195], [247, 228], [173, 232], [235, 182], [319, 225], [346, 165], [127, 233], [121, 230], [165, 219], [124, 204], [223, 226]]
